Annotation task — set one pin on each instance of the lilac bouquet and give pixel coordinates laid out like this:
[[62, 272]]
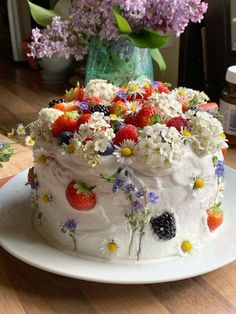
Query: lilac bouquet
[[147, 23]]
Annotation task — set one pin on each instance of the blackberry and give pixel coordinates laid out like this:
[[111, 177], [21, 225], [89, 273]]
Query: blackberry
[[55, 101], [164, 225], [100, 108]]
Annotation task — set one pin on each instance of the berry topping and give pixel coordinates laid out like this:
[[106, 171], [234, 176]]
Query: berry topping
[[76, 93], [32, 179], [65, 137], [117, 126], [100, 108], [128, 132], [109, 150], [67, 122], [80, 196], [84, 119], [210, 107], [55, 101], [65, 107], [164, 225], [119, 108], [148, 115], [177, 122], [215, 217]]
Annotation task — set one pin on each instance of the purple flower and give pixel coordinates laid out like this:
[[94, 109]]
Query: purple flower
[[122, 95], [140, 193], [71, 225], [83, 105], [129, 188], [117, 185], [155, 84], [152, 197], [136, 206], [220, 169]]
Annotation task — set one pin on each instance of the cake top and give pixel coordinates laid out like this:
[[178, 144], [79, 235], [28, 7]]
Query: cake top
[[142, 122]]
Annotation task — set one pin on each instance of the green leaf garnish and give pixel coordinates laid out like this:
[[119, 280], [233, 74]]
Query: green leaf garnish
[[156, 55], [107, 177]]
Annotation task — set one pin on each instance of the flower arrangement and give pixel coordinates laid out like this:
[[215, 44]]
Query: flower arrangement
[[147, 23]]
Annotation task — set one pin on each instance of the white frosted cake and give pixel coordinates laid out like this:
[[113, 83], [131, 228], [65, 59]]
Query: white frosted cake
[[131, 173]]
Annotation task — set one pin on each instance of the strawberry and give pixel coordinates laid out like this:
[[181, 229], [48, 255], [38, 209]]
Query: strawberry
[[128, 132], [65, 106], [209, 107], [119, 108], [84, 119], [76, 93], [185, 107], [215, 217], [177, 122], [129, 119], [224, 151], [148, 115], [66, 122], [80, 196]]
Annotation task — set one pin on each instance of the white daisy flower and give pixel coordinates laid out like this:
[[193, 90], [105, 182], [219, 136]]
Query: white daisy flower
[[187, 244], [109, 247], [125, 152], [20, 130], [198, 184], [133, 107], [29, 141]]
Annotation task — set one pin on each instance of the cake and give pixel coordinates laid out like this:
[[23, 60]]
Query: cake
[[128, 173]]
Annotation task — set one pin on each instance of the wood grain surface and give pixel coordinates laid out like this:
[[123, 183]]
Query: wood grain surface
[[25, 289]]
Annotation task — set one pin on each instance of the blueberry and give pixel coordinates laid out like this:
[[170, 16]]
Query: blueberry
[[118, 126], [65, 137], [109, 150], [55, 101]]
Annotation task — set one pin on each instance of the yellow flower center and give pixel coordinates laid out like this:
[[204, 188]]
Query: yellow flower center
[[70, 149], [186, 246], [42, 159], [199, 184], [133, 107], [186, 133], [113, 116], [126, 151], [222, 134], [134, 88], [46, 198], [112, 247], [181, 93], [31, 142]]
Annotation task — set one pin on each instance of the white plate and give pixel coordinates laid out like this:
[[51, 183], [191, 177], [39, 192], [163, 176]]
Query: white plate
[[19, 239]]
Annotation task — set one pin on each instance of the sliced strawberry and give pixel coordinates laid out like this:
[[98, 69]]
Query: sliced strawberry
[[224, 151], [76, 93], [84, 118], [67, 122], [80, 196], [65, 107], [128, 132], [147, 115], [119, 108], [209, 107], [185, 107], [129, 119], [177, 122], [215, 217]]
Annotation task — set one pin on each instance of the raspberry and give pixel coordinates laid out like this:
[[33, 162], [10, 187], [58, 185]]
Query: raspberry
[[164, 225], [128, 132], [100, 108], [177, 122]]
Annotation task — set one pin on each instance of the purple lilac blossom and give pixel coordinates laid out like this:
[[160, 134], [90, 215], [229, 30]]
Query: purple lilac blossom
[[88, 17]]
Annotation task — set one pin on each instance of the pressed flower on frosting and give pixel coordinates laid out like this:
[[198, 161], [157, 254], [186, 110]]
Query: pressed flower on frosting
[[109, 247], [198, 184], [187, 245]]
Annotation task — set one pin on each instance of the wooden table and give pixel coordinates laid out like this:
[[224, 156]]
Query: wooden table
[[25, 289]]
